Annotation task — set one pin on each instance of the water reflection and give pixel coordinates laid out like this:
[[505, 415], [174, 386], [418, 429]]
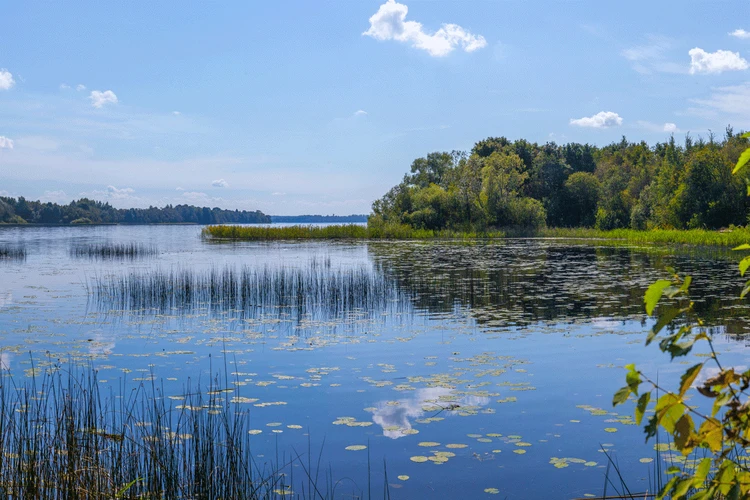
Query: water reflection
[[434, 403]]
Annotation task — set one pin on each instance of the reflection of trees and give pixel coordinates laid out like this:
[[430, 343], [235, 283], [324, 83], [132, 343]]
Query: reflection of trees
[[516, 282], [395, 419]]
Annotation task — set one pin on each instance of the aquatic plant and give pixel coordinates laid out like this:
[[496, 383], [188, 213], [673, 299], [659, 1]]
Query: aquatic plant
[[61, 437], [8, 252], [314, 289], [700, 237], [334, 232], [125, 251]]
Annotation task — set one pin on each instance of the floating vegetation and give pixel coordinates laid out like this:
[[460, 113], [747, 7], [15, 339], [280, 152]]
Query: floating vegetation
[[16, 253], [305, 291], [356, 447], [112, 251]]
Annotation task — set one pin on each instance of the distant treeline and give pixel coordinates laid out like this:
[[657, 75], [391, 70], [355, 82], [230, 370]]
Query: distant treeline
[[504, 183], [85, 211], [303, 219]]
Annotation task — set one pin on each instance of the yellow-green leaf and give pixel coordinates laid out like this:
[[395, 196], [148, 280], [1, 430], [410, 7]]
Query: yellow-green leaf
[[744, 264], [653, 294], [640, 408], [711, 434], [688, 378], [742, 161], [683, 430]]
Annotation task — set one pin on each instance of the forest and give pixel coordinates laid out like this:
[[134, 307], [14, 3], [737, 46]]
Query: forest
[[85, 211], [519, 184]]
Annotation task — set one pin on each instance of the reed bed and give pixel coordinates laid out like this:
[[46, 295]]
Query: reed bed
[[336, 232], [111, 251], [697, 237], [313, 290], [60, 437], [8, 252]]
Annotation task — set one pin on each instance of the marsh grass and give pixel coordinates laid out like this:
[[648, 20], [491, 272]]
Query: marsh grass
[[697, 237], [309, 291], [112, 251], [61, 437], [16, 253], [336, 232]]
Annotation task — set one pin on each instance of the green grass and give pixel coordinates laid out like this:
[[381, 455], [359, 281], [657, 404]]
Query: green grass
[[695, 237], [337, 232], [698, 237]]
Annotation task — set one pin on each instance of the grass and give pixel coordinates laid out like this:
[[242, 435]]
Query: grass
[[106, 251], [336, 232], [314, 289], [60, 437], [697, 237], [12, 253]]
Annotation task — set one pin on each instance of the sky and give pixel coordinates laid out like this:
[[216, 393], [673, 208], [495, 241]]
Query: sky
[[315, 106]]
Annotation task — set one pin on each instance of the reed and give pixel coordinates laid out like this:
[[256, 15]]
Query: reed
[[309, 291], [697, 237], [61, 437], [107, 251], [336, 232], [8, 252]]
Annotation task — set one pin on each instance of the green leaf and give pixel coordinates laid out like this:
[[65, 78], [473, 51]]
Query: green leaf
[[742, 161], [653, 294], [632, 378], [711, 434], [744, 246], [666, 315], [744, 264], [688, 378], [701, 472], [640, 408], [669, 409], [621, 396], [683, 429], [745, 290], [746, 135]]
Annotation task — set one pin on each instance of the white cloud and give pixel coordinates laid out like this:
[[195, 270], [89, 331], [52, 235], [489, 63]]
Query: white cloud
[[58, 196], [715, 62], [6, 79], [389, 23], [360, 112], [278, 193], [99, 98], [651, 56], [176, 113], [80, 87], [5, 142], [64, 86], [740, 33], [118, 194], [731, 100], [603, 119], [670, 127], [219, 183]]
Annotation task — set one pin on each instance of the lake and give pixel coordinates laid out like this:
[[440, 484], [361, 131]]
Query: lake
[[475, 369]]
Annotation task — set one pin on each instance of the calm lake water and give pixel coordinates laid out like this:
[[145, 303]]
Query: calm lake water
[[466, 367]]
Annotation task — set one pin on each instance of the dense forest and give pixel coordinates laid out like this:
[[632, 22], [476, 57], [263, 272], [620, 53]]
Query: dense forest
[[503, 183], [85, 211]]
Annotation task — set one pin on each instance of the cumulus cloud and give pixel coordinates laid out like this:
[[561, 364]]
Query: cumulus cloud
[[715, 62], [389, 23], [6, 79], [5, 142], [80, 87], [603, 119], [740, 33], [99, 98], [670, 127], [219, 183]]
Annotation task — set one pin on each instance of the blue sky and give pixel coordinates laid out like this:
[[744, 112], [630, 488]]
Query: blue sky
[[320, 106]]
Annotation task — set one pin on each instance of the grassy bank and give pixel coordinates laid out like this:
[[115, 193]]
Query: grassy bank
[[699, 237], [337, 232]]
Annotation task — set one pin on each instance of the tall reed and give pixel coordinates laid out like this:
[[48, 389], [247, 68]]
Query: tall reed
[[61, 438], [334, 232], [8, 252], [102, 251]]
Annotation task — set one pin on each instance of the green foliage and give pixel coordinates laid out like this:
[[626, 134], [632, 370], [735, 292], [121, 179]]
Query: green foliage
[[702, 237], [723, 435], [623, 185], [377, 228]]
